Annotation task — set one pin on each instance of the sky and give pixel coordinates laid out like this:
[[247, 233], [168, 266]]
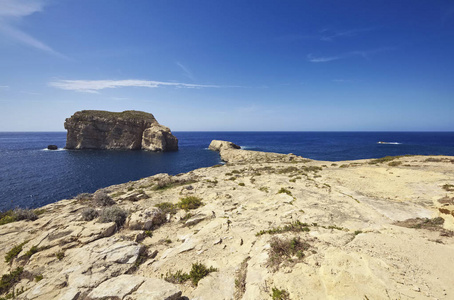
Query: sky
[[207, 65]]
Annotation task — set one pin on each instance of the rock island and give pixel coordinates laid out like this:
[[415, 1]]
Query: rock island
[[261, 226], [128, 130]]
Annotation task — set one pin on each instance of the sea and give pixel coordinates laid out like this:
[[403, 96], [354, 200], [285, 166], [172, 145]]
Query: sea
[[32, 176]]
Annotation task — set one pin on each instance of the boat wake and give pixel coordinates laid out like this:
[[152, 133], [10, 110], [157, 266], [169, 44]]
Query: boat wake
[[389, 143], [59, 149]]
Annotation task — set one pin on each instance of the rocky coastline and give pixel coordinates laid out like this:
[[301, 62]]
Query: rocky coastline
[[261, 226], [128, 130]]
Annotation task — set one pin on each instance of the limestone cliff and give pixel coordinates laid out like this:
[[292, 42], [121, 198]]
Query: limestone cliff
[[133, 130]]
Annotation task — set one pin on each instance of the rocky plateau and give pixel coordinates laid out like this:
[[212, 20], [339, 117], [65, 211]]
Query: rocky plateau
[[261, 226]]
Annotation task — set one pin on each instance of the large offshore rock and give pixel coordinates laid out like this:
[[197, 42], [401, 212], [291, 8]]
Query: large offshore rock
[[159, 138], [218, 145], [95, 129]]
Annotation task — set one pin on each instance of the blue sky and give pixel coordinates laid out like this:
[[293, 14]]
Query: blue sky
[[230, 65]]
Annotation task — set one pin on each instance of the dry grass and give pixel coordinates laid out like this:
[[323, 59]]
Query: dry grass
[[289, 250]]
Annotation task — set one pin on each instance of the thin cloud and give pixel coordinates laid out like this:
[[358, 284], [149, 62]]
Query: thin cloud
[[364, 54], [11, 13], [343, 80], [186, 71], [331, 35], [93, 86], [322, 59], [4, 87]]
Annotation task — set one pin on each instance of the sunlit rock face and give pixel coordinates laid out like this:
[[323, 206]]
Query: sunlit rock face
[[128, 130]]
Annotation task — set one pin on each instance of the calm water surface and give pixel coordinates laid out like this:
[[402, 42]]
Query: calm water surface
[[31, 176]]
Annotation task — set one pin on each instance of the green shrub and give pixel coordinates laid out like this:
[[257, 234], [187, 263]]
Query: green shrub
[[241, 184], [39, 277], [9, 280], [7, 217], [113, 214], [60, 255], [167, 208], [284, 191], [296, 226], [190, 202], [278, 294], [264, 189], [177, 277], [17, 215], [31, 251], [14, 252], [198, 271]]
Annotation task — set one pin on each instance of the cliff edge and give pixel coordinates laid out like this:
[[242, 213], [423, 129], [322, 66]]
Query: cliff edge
[[128, 130]]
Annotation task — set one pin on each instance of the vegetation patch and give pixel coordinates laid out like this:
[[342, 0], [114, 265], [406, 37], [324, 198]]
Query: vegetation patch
[[386, 159], [101, 198], [212, 181], [14, 252], [60, 255], [7, 217], [394, 163], [9, 280], [39, 277], [264, 189], [190, 202], [18, 215], [314, 169], [118, 194], [241, 184], [198, 271], [435, 224], [296, 226], [278, 294], [290, 250], [169, 182], [113, 214], [34, 249], [167, 208], [84, 197], [284, 191], [89, 214], [290, 169]]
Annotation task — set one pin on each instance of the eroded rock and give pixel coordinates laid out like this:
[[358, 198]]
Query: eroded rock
[[128, 130]]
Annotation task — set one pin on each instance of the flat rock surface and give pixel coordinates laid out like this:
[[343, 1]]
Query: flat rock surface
[[358, 222]]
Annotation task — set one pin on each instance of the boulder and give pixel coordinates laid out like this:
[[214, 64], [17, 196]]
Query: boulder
[[145, 220], [96, 129], [52, 147], [217, 145]]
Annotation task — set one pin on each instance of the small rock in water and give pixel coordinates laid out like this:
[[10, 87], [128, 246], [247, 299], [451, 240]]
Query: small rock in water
[[52, 147]]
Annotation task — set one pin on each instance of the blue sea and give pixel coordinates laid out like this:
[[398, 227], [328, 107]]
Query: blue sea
[[31, 176]]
